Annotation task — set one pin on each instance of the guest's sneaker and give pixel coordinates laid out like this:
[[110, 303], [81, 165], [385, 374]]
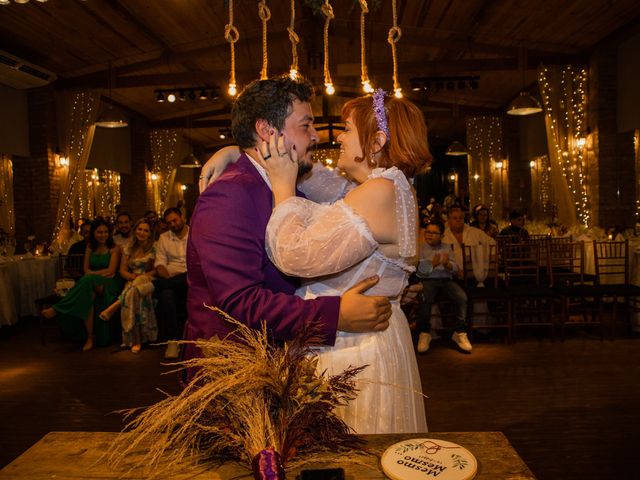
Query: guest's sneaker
[[424, 340], [462, 341], [173, 350]]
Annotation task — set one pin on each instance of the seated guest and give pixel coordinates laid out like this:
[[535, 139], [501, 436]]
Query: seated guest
[[160, 228], [99, 287], [137, 268], [151, 217], [123, 230], [458, 234], [437, 269], [516, 228], [171, 284], [482, 220], [74, 264]]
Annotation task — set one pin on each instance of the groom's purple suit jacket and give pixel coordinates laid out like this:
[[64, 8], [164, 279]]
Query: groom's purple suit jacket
[[228, 267]]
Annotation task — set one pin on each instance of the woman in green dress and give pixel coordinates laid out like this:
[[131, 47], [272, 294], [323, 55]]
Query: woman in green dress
[[98, 288]]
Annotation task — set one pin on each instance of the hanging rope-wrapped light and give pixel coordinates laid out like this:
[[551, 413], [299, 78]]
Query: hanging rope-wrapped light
[[328, 13], [232, 35], [394, 35], [364, 76], [294, 39], [265, 14]]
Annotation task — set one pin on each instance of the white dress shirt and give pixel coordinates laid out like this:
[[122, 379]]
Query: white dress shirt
[[171, 252]]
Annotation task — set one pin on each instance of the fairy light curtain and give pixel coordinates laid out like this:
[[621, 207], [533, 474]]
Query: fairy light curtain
[[7, 216], [165, 146], [77, 114], [99, 194], [484, 146], [563, 91]]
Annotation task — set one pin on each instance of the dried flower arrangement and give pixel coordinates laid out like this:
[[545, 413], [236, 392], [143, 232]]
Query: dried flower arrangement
[[252, 402]]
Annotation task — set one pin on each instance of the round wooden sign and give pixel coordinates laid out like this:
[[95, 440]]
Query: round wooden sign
[[424, 458]]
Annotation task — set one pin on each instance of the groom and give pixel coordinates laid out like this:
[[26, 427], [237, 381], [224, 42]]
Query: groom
[[226, 260]]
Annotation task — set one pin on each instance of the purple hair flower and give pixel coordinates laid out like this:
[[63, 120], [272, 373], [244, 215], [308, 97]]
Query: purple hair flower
[[379, 111]]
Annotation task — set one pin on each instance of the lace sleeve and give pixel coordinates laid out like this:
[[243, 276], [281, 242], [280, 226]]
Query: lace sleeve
[[324, 185], [307, 239]]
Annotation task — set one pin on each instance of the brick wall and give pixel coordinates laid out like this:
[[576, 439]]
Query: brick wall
[[612, 175], [35, 198], [133, 187]]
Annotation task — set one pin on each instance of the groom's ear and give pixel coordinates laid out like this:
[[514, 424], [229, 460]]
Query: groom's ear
[[263, 129]]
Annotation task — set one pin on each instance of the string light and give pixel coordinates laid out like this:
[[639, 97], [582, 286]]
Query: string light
[[568, 105], [232, 35], [364, 75], [484, 143], [294, 39], [265, 14], [6, 192], [394, 35], [81, 117], [164, 145], [327, 10]]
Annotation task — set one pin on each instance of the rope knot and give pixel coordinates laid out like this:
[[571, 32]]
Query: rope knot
[[394, 35], [263, 11], [327, 10], [293, 36], [231, 33]]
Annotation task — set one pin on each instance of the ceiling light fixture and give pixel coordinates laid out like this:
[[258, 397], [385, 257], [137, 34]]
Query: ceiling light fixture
[[456, 149], [524, 103], [171, 97], [111, 118]]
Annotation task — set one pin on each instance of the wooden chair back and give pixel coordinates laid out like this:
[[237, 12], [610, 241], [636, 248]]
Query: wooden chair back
[[611, 261]]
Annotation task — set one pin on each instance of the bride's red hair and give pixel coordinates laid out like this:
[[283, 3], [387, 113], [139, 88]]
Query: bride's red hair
[[407, 149]]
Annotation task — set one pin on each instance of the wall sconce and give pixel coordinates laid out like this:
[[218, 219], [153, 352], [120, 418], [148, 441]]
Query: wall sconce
[[532, 164], [476, 177], [183, 188], [499, 165], [154, 177]]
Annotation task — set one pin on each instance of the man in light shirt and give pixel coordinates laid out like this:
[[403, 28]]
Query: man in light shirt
[[122, 237], [459, 233], [437, 269], [171, 284]]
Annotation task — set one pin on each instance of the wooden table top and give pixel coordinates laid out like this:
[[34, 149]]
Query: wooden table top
[[77, 455]]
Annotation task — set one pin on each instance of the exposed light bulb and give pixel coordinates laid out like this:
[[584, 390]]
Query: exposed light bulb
[[183, 187], [64, 161], [171, 97], [397, 92], [366, 87], [581, 142], [532, 164], [293, 74], [329, 88], [154, 177], [476, 176], [232, 89], [498, 165]]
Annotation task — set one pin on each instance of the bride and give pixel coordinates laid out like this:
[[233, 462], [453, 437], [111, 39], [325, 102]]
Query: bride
[[371, 231]]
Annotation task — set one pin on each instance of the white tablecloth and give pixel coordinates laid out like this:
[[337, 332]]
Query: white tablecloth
[[25, 279]]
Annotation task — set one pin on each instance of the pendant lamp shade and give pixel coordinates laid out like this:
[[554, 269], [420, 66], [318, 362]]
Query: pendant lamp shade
[[190, 161], [456, 148], [111, 119], [524, 104]]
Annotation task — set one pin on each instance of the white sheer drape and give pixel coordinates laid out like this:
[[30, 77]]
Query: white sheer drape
[[165, 152], [77, 112], [7, 216], [564, 96], [484, 144]]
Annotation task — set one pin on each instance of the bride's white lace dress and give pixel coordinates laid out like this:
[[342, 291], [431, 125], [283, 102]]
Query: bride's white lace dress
[[332, 247]]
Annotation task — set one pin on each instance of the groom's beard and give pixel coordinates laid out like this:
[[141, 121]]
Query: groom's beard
[[306, 164]]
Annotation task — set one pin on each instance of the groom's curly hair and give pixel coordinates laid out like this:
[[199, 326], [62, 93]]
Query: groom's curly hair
[[269, 100]]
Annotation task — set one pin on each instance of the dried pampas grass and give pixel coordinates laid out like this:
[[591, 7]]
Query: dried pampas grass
[[246, 395]]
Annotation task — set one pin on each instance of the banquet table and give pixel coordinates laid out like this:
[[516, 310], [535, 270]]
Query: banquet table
[[78, 455], [23, 279]]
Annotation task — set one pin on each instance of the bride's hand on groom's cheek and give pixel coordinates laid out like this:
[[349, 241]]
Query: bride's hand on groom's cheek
[[362, 313]]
